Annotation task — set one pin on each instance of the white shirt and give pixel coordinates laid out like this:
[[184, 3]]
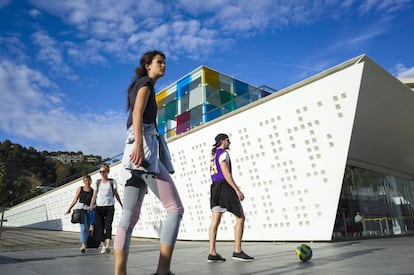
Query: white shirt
[[224, 157], [105, 197]]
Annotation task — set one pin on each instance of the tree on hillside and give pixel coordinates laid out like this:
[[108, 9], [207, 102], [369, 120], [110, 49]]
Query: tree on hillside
[[63, 171], [3, 189], [23, 171]]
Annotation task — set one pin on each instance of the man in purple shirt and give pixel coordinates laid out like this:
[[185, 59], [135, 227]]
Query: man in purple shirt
[[225, 195]]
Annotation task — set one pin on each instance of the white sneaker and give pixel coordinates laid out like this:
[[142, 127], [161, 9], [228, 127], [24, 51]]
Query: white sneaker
[[103, 250]]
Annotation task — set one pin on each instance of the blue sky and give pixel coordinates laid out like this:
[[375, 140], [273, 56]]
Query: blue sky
[[65, 65]]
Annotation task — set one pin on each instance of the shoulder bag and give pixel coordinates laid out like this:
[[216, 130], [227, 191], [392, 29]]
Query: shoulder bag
[[77, 215]]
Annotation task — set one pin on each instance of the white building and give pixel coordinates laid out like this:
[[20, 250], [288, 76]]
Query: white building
[[307, 158]]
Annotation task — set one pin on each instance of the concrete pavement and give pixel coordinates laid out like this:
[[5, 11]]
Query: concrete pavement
[[31, 251]]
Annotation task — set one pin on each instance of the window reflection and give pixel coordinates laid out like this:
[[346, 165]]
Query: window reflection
[[384, 204]]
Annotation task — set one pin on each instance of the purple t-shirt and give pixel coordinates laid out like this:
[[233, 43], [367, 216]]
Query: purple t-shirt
[[215, 169]]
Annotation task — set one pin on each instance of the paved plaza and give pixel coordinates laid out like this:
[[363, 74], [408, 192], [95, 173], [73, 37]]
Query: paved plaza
[[31, 251]]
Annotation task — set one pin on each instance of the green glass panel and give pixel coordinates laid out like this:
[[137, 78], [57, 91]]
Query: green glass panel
[[225, 97], [171, 110]]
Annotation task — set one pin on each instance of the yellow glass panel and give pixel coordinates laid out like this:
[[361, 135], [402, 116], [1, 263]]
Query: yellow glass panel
[[160, 98], [171, 133], [161, 95], [210, 78]]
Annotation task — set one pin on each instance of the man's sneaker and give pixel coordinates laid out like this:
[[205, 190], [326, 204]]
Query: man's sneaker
[[215, 258], [103, 250], [241, 256]]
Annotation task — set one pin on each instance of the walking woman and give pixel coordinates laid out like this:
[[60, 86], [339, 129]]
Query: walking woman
[[144, 168], [105, 190], [83, 197]]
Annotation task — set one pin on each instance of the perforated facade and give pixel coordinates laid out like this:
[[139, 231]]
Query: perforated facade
[[289, 152]]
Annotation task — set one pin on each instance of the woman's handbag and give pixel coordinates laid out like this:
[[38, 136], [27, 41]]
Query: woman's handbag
[[77, 215]]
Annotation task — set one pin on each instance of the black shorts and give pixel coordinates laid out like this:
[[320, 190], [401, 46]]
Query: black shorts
[[224, 196]]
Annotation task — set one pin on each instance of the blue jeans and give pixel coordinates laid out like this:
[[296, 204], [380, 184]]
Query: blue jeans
[[84, 227], [92, 217]]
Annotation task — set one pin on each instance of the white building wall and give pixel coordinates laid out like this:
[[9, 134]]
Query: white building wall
[[288, 153]]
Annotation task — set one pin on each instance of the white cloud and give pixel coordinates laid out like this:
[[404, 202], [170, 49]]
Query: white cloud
[[359, 38], [404, 72], [127, 28], [100, 31], [31, 107], [89, 15], [366, 35], [34, 13], [89, 52], [384, 7], [12, 48], [52, 56]]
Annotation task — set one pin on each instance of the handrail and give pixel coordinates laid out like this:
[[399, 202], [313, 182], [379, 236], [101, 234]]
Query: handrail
[[2, 218]]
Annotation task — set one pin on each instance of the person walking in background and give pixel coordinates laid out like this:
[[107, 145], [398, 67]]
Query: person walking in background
[[105, 189], [358, 224], [225, 195], [146, 164], [83, 198]]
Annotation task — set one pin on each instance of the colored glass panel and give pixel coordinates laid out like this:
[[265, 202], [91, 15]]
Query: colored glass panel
[[183, 122], [211, 112], [184, 102], [196, 116], [240, 87], [225, 97], [195, 82], [160, 98], [240, 101], [227, 101], [161, 116], [170, 110], [183, 86], [196, 97], [211, 78], [161, 128], [171, 133], [213, 96], [226, 83]]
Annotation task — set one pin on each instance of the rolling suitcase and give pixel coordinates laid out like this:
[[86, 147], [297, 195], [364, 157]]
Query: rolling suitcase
[[93, 241]]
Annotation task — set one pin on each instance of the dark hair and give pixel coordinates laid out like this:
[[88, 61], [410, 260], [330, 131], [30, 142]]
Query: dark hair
[[218, 140], [141, 71]]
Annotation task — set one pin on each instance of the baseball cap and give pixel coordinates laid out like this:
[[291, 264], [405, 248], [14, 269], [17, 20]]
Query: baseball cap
[[219, 138]]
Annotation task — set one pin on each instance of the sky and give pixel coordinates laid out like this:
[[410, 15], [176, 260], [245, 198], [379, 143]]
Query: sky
[[65, 65]]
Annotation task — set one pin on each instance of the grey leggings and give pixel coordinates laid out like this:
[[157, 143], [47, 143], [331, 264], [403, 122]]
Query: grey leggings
[[163, 187]]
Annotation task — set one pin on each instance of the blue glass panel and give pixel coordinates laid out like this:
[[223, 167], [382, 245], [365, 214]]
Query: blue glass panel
[[240, 87], [161, 128], [183, 86], [211, 112]]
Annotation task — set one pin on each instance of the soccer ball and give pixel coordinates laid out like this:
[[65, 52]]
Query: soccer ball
[[304, 252]]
